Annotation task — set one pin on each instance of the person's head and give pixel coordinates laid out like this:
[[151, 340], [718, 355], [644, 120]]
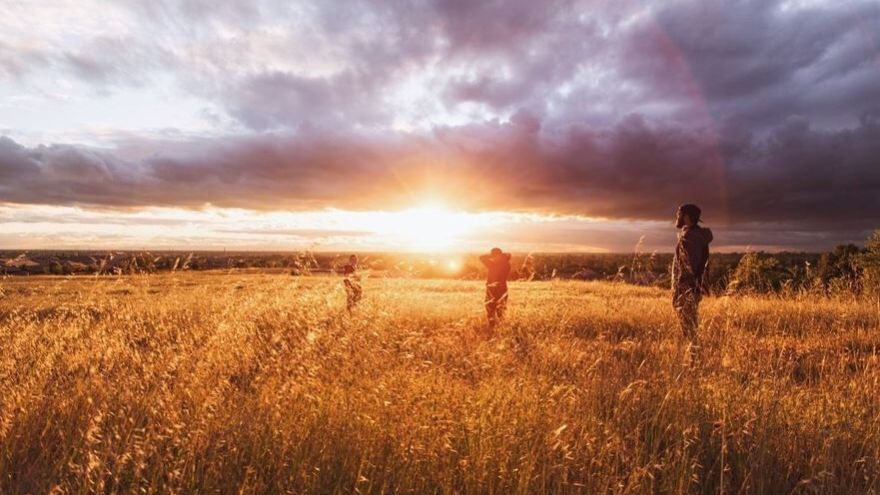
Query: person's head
[[496, 252], [687, 215], [353, 260]]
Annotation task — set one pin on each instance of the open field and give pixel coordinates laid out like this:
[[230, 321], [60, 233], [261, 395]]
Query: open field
[[225, 383]]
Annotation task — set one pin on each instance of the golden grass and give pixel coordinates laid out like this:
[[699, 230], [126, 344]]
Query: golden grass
[[215, 383]]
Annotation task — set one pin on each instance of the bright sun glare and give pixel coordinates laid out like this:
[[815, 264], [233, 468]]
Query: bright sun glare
[[431, 228]]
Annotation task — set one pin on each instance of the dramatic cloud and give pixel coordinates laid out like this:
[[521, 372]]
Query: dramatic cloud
[[635, 170], [767, 113], [764, 61]]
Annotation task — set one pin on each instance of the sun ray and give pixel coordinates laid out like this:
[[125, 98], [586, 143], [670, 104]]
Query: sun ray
[[431, 227]]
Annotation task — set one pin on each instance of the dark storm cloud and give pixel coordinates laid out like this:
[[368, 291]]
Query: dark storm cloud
[[496, 25], [634, 170], [506, 54], [650, 237], [753, 59], [757, 61], [708, 60]]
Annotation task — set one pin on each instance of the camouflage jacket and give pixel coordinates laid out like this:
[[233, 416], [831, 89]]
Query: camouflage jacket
[[691, 257]]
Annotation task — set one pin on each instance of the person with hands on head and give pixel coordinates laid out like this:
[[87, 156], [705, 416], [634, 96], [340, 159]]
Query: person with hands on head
[[497, 263]]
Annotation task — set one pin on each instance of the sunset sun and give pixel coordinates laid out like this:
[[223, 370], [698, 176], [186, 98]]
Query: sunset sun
[[428, 227]]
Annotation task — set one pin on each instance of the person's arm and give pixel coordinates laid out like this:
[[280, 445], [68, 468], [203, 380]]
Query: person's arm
[[486, 260], [704, 268], [694, 249]]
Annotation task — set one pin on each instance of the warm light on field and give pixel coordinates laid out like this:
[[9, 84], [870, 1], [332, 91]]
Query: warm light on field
[[582, 386]]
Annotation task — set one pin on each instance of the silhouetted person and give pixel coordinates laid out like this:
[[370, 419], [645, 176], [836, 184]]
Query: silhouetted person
[[498, 264], [352, 281], [688, 269]]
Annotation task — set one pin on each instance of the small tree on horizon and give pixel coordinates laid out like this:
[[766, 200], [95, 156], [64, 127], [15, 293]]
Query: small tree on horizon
[[756, 273], [869, 263]]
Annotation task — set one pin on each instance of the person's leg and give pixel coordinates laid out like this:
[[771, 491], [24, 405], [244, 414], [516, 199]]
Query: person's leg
[[502, 298], [686, 304], [687, 316], [685, 301], [350, 294], [491, 307]]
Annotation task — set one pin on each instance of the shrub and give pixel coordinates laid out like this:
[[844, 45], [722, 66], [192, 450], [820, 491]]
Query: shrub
[[757, 273], [869, 263]]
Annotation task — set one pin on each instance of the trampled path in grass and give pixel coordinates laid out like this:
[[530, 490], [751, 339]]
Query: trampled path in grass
[[256, 383]]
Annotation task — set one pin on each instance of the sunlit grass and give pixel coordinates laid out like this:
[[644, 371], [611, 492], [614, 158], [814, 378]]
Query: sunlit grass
[[217, 383]]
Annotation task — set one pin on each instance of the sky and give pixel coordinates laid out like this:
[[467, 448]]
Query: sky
[[562, 125]]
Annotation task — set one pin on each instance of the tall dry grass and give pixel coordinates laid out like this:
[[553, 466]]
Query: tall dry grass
[[215, 383]]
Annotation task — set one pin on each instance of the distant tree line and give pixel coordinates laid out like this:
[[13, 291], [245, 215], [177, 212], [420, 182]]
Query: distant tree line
[[847, 268]]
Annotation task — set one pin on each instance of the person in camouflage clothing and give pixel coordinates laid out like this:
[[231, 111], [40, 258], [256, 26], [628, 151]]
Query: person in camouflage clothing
[[688, 269]]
